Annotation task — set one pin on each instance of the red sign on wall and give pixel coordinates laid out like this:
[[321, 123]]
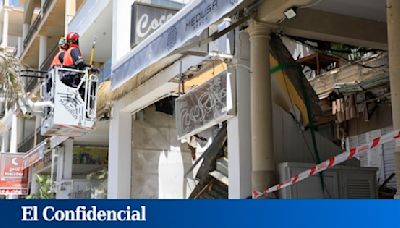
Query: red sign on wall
[[13, 175]]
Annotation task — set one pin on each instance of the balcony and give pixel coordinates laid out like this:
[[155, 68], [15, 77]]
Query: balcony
[[50, 22], [35, 25], [28, 142]]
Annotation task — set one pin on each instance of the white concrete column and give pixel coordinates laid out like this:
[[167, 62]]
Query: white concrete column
[[239, 139], [25, 29], [5, 141], [20, 46], [34, 183], [59, 169], [15, 128], [263, 174], [68, 157], [4, 42], [121, 29], [64, 169], [70, 10], [14, 141], [42, 49], [393, 23], [59, 163], [119, 155], [38, 122]]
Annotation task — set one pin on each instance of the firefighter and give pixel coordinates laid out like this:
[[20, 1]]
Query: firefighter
[[73, 56], [59, 58], [73, 59]]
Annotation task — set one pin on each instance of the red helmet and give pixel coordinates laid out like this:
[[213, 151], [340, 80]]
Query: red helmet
[[72, 36]]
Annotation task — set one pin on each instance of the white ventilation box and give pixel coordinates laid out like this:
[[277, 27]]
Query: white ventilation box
[[339, 182], [381, 157]]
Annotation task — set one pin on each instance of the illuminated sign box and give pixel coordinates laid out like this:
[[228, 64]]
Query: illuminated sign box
[[146, 19], [13, 175]]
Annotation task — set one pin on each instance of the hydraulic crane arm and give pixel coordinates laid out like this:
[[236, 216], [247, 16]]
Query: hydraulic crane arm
[[28, 107]]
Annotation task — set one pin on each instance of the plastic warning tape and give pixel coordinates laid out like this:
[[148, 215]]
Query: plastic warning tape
[[393, 136]]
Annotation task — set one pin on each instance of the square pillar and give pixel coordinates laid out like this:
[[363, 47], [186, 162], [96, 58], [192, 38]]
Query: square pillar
[[20, 46], [239, 139], [15, 133], [119, 155], [59, 154], [34, 184], [42, 49], [121, 32], [4, 42], [64, 168], [70, 10], [5, 141], [67, 159], [38, 122]]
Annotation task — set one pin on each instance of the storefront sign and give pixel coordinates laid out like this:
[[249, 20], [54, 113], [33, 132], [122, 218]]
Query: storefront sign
[[34, 155], [146, 19], [206, 105], [13, 175], [181, 28]]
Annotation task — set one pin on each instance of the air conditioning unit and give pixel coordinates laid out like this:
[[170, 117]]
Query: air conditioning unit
[[339, 182]]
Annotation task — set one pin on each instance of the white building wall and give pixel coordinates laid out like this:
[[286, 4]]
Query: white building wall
[[121, 29], [87, 15], [159, 161]]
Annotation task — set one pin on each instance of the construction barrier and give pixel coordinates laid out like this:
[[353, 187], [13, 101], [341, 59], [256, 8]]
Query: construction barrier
[[393, 136]]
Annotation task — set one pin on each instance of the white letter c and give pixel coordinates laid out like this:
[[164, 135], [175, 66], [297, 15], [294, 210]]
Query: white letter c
[[45, 213]]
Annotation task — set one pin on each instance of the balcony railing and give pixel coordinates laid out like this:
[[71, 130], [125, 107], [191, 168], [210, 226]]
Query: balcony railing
[[35, 25], [46, 6], [27, 142]]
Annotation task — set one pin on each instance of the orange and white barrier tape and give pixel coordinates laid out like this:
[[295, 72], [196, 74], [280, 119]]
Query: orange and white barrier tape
[[393, 136]]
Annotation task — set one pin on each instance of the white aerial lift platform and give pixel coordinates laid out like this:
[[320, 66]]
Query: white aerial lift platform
[[72, 94]]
